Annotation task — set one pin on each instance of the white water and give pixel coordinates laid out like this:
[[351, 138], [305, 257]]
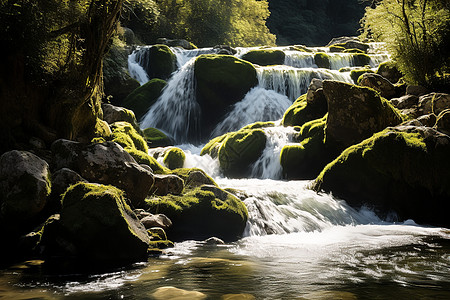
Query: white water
[[177, 112], [136, 71]]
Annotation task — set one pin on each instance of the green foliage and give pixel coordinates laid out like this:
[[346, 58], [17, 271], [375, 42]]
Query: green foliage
[[142, 16], [417, 34]]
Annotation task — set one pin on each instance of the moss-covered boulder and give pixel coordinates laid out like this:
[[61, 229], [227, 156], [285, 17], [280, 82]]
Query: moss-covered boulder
[[265, 57], [174, 158], [24, 188], [356, 73], [156, 138], [379, 84], [322, 60], [361, 60], [127, 136], [144, 158], [222, 80], [354, 51], [302, 110], [112, 114], [305, 160], [158, 61], [194, 177], [202, 213], [142, 98], [355, 113], [405, 169], [389, 71], [100, 225], [167, 184], [335, 48]]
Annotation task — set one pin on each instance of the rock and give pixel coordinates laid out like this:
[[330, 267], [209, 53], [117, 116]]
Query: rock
[[405, 169], [265, 57], [314, 85], [200, 213], [416, 90], [101, 225], [167, 184], [141, 213], [427, 120], [302, 110], [334, 49], [143, 158], [174, 158], [142, 98], [389, 71], [61, 181], [112, 114], [222, 80], [172, 293], [239, 150], [378, 83], [342, 40], [405, 102], [238, 297], [176, 43], [156, 138], [434, 103], [355, 113], [443, 122], [65, 154], [158, 220], [349, 43], [355, 74], [24, 187], [157, 233], [127, 136], [322, 60], [225, 49], [109, 163], [213, 241], [306, 159], [361, 60], [353, 50], [158, 61], [198, 178]]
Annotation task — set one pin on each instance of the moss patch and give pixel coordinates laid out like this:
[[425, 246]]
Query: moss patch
[[322, 60], [145, 159], [355, 74], [124, 134], [265, 57], [301, 111], [156, 138], [174, 158], [162, 62]]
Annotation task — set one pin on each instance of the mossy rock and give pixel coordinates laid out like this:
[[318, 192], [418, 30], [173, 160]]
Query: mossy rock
[[222, 80], [125, 135], [142, 98], [335, 48], [389, 70], [355, 74], [301, 111], [202, 213], [145, 159], [306, 159], [213, 146], [404, 169], [161, 62], [354, 51], [322, 60], [265, 57], [156, 138], [361, 59], [174, 158], [193, 177], [101, 226]]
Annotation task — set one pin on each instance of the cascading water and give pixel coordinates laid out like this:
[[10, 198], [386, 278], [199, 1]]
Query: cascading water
[[177, 112], [183, 56], [136, 70], [258, 105]]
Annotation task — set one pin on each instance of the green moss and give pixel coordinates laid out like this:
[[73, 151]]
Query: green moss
[[125, 134], [143, 158], [388, 70], [335, 48], [240, 150], [199, 214], [213, 146], [301, 111], [355, 74], [102, 129], [259, 125], [142, 98], [174, 158], [162, 62], [265, 57], [322, 60], [361, 60], [354, 51], [156, 138], [184, 173]]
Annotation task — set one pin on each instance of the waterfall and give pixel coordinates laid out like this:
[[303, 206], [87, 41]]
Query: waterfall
[[340, 60], [136, 71], [268, 165], [258, 105], [294, 82], [183, 55], [377, 59], [299, 59], [177, 112]]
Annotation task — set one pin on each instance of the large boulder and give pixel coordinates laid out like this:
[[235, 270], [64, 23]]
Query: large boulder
[[202, 213], [142, 98], [158, 61], [434, 103], [174, 158], [322, 60], [127, 136], [378, 83], [349, 43], [405, 169], [302, 110], [389, 71], [109, 163], [112, 114], [360, 59], [355, 113], [222, 80], [265, 57], [167, 184], [96, 224], [355, 74], [24, 187]]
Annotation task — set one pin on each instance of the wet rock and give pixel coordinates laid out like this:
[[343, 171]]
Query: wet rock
[[158, 220], [65, 154], [109, 163], [61, 181], [170, 293], [265, 57], [434, 103], [24, 187], [174, 158], [225, 49], [198, 178], [405, 169], [167, 184], [213, 241], [405, 102], [156, 138], [355, 113], [112, 114], [378, 83], [416, 90], [158, 61], [176, 43], [304, 110], [443, 122]]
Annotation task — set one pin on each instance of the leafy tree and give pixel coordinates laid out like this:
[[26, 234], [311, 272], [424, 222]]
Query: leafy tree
[[417, 34]]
